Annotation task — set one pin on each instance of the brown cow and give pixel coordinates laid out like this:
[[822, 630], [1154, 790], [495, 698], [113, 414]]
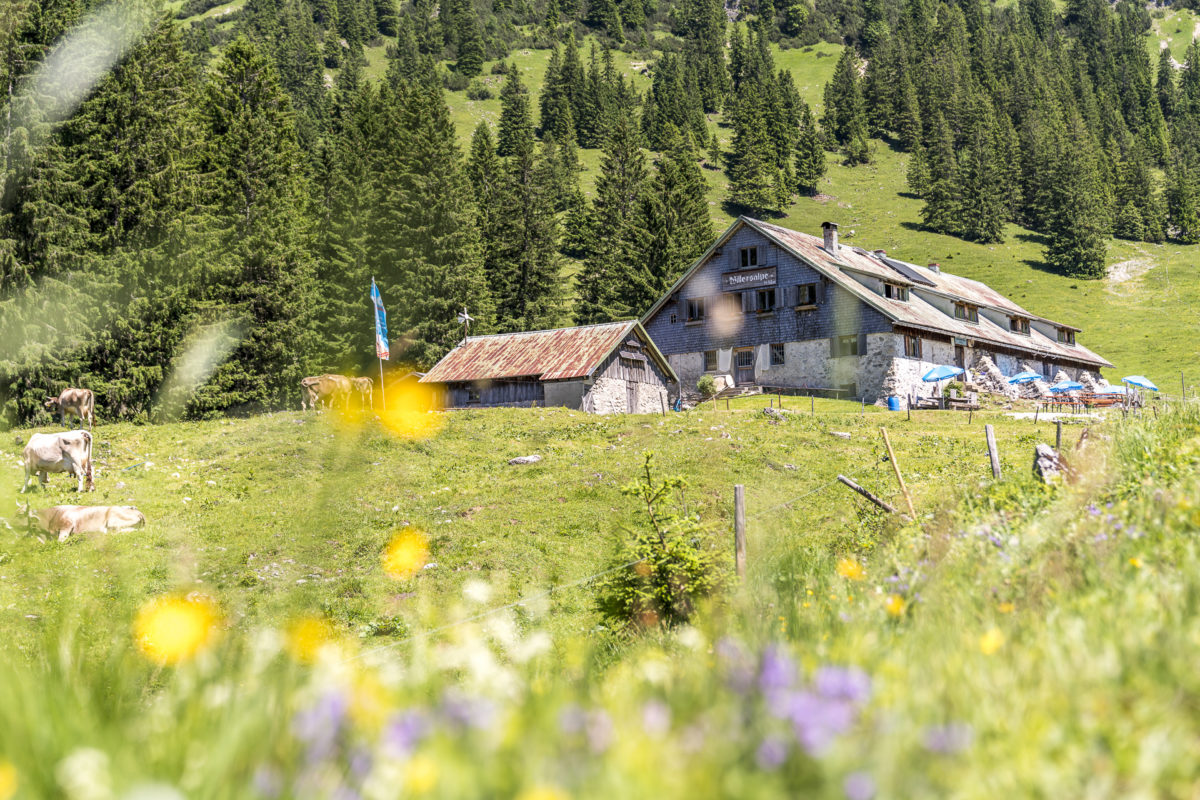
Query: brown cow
[[80, 402], [326, 390], [365, 387], [63, 521], [69, 452]]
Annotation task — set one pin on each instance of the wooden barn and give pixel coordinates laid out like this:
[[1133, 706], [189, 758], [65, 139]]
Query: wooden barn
[[603, 369]]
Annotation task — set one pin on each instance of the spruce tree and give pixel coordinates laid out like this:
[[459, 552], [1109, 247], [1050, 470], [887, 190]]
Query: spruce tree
[[845, 117], [754, 177], [1183, 202], [981, 192], [810, 154], [1078, 219], [616, 236], [516, 124], [678, 226], [941, 210]]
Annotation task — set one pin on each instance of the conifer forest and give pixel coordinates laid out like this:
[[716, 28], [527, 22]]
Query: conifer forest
[[245, 181]]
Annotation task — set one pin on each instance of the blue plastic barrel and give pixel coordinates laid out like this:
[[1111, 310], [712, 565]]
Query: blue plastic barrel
[[893, 403]]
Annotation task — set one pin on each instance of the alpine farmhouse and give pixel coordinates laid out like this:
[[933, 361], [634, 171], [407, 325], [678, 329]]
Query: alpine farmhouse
[[776, 308]]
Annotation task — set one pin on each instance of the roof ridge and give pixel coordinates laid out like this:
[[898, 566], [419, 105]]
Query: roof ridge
[[549, 330]]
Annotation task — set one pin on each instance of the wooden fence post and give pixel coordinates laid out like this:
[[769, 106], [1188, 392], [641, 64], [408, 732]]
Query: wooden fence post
[[812, 404], [899, 478], [992, 454], [739, 529], [662, 397], [780, 396], [1182, 387], [886, 506], [1058, 435]]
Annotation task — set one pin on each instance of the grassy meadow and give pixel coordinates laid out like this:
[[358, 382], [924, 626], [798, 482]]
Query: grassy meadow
[[249, 641]]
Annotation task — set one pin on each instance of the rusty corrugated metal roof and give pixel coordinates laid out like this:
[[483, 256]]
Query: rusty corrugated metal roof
[[558, 354]]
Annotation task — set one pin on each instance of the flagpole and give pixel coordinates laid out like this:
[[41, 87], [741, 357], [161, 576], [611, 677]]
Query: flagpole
[[375, 311], [382, 391]]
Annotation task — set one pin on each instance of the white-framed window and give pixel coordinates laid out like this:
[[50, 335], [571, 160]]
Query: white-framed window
[[710, 360], [846, 345], [966, 312], [1066, 336], [893, 291], [749, 257], [777, 355]]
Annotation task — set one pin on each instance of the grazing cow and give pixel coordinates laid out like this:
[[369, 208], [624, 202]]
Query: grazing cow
[[80, 402], [69, 452], [327, 390], [365, 387], [63, 521]]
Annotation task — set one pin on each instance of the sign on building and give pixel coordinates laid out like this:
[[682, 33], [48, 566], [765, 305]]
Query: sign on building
[[748, 279]]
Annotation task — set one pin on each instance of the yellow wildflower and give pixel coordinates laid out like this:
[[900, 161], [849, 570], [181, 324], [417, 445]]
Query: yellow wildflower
[[991, 641], [894, 605], [171, 629], [850, 569], [421, 775], [370, 703], [1005, 608], [8, 780], [543, 793], [306, 636], [1135, 562], [406, 554]]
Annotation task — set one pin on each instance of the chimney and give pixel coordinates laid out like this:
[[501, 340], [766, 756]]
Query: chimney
[[829, 229], [935, 267]]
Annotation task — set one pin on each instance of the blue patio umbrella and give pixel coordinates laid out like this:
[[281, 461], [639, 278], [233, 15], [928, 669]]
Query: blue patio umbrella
[[941, 373], [1025, 377], [1141, 381], [1113, 390], [1067, 386]]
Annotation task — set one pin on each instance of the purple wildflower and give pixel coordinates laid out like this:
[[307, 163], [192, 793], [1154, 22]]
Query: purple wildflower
[[1100, 537], [949, 739], [268, 782], [1108, 504], [771, 753], [360, 762], [468, 712], [738, 666], [404, 731], [320, 725], [656, 718], [996, 541], [859, 786], [600, 732], [1093, 510], [816, 720], [572, 719], [843, 683], [777, 671], [344, 792]]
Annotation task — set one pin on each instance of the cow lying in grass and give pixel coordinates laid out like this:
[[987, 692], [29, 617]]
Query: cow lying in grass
[[69, 452], [62, 521]]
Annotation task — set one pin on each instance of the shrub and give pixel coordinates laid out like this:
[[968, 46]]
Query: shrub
[[500, 68], [956, 386], [454, 81], [707, 386], [478, 90], [673, 568]]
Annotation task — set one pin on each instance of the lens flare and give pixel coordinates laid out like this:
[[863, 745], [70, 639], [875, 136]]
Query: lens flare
[[8, 780], [172, 629], [406, 554], [409, 410]]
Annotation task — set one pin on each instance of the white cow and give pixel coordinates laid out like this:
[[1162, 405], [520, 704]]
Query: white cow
[[66, 520], [69, 452]]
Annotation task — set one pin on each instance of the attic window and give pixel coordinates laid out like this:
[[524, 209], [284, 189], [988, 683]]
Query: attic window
[[894, 291], [1019, 325], [966, 312], [1066, 336], [749, 257]]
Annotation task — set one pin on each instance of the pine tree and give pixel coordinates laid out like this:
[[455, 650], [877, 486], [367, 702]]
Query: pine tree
[[1165, 84], [516, 124], [980, 180], [1079, 218], [810, 154], [470, 43], [557, 118], [1184, 204], [845, 117], [754, 176], [941, 210], [616, 235]]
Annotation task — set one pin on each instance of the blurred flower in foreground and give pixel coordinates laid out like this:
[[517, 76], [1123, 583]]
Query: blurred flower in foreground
[[851, 569], [8, 780], [83, 774], [991, 641], [306, 636], [421, 775], [171, 629], [409, 411], [859, 786], [1005, 608], [543, 793], [949, 739], [405, 554], [894, 605]]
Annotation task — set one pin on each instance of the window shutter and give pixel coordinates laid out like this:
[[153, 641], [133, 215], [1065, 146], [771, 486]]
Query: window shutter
[[821, 291], [680, 308], [747, 302], [789, 296], [833, 346], [862, 344]]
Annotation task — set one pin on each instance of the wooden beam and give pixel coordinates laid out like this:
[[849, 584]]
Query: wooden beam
[[886, 506], [739, 529], [992, 454], [899, 478]]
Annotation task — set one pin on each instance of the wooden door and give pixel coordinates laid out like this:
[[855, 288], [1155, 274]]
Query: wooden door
[[744, 366], [960, 356]]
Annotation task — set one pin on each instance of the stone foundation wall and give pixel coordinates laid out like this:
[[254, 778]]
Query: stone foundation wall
[[903, 377], [609, 396]]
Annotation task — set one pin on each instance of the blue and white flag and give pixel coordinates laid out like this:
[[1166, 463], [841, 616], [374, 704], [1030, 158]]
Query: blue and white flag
[[381, 340]]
